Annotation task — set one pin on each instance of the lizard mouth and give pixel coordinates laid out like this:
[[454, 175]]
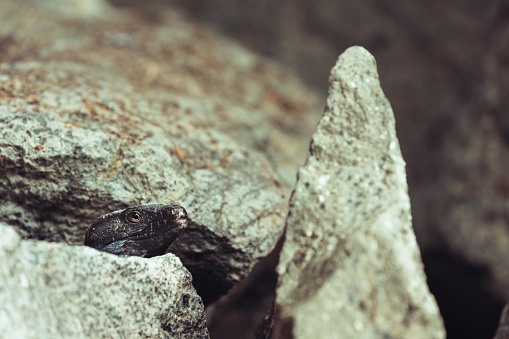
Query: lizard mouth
[[181, 224], [181, 220]]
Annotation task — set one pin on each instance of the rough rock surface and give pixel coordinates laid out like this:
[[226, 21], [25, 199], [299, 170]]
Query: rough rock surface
[[53, 290], [350, 264], [104, 108]]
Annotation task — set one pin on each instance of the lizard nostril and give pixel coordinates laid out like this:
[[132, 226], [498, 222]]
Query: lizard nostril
[[182, 212]]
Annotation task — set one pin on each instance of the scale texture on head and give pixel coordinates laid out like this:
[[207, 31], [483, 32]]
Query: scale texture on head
[[138, 230]]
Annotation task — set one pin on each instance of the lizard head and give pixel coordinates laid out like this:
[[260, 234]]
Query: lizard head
[[139, 230]]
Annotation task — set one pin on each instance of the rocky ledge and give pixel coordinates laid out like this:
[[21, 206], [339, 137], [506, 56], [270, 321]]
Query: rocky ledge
[[53, 290]]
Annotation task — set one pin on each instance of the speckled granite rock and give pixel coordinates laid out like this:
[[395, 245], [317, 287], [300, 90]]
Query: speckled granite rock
[[119, 107], [350, 264], [53, 290]]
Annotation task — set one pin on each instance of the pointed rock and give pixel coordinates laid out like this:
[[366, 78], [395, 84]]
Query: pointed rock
[[350, 264]]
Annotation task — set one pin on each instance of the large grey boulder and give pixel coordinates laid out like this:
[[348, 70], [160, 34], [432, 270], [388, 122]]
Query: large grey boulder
[[53, 290], [81, 152], [122, 107], [350, 266]]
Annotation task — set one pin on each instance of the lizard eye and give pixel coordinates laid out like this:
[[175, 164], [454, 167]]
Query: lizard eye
[[134, 216]]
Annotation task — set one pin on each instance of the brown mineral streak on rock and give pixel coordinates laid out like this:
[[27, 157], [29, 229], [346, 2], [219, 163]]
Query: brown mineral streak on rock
[[350, 262]]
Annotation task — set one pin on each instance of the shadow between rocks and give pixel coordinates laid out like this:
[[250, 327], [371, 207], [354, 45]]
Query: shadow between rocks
[[469, 310]]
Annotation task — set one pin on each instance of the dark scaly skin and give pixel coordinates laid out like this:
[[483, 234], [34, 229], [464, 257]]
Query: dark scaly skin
[[139, 230]]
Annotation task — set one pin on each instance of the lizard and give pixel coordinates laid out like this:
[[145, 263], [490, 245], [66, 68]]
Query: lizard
[[138, 230]]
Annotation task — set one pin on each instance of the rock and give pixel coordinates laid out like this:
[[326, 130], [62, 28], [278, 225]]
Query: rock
[[53, 290], [100, 112], [474, 181], [73, 159], [350, 264], [503, 328]]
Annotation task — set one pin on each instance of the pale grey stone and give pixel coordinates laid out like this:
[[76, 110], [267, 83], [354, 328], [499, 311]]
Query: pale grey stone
[[96, 115], [53, 290], [121, 152], [350, 266]]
